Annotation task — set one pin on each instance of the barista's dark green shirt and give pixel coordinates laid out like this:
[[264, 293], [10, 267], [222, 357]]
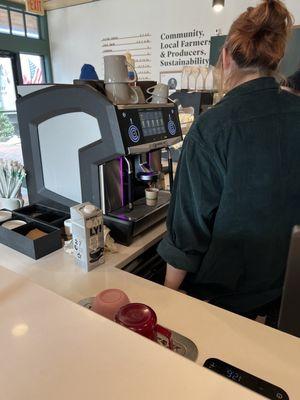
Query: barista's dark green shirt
[[237, 196]]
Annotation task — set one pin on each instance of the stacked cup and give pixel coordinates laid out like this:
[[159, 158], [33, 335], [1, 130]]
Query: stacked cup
[[117, 83], [115, 305], [159, 94], [108, 302]]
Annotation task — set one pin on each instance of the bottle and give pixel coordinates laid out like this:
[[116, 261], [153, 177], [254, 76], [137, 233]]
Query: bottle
[[88, 239], [130, 66]]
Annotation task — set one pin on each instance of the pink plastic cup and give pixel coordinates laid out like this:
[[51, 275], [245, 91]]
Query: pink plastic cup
[[108, 302]]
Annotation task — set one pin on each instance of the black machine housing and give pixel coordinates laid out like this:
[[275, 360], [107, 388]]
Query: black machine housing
[[124, 133]]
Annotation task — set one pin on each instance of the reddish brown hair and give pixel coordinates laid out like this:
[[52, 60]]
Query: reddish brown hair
[[257, 38]]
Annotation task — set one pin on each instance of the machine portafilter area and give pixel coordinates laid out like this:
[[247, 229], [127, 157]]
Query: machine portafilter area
[[143, 170], [140, 169], [143, 173]]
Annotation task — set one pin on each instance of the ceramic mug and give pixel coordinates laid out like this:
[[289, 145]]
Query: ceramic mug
[[121, 93], [141, 319], [116, 71], [159, 90], [11, 204], [157, 100], [140, 94]]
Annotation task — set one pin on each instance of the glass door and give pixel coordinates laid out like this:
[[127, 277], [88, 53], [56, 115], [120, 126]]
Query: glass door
[[10, 144]]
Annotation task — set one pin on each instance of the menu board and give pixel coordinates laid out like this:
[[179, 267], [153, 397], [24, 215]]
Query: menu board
[[139, 46]]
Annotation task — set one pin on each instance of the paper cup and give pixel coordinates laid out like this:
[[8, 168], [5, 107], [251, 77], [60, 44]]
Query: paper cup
[[151, 196]]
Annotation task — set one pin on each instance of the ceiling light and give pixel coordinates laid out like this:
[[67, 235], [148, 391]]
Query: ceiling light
[[218, 5]]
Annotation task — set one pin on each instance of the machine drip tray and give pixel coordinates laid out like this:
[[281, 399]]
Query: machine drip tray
[[182, 345], [140, 209]]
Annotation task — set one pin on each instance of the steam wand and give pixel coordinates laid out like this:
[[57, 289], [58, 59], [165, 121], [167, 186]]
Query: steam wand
[[129, 187], [170, 168]]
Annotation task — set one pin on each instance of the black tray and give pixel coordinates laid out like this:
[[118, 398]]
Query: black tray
[[37, 248], [43, 214]]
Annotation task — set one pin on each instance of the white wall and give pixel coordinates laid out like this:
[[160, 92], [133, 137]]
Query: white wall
[[76, 32]]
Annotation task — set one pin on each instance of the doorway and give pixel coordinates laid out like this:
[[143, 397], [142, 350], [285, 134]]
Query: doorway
[[10, 143]]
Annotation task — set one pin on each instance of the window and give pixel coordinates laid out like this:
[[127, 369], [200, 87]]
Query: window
[[19, 23], [10, 145], [4, 21], [24, 59], [32, 67], [7, 86], [32, 26]]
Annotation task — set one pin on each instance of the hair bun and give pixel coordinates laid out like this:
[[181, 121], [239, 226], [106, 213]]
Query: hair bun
[[258, 37]]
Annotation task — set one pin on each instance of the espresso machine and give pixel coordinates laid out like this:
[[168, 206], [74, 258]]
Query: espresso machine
[[78, 146]]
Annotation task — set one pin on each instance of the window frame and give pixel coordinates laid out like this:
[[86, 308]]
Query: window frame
[[15, 67], [43, 65], [2, 7], [10, 10], [22, 44]]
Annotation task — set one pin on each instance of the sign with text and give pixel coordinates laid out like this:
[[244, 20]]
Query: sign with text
[[35, 7], [184, 48]]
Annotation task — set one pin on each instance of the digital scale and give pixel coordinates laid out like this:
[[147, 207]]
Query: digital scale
[[245, 379]]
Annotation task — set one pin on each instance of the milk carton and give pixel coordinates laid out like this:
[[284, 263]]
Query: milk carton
[[87, 231]]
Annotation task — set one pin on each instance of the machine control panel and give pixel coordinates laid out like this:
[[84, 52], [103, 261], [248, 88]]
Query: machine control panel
[[171, 124], [134, 133], [247, 380], [149, 125], [172, 127]]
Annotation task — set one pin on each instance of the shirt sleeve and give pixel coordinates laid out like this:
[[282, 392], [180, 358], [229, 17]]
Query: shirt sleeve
[[195, 199]]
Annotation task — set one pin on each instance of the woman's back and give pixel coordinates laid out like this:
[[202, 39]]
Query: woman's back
[[237, 190], [253, 138]]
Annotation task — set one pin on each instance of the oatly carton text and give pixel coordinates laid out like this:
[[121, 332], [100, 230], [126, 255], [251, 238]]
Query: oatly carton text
[[87, 231]]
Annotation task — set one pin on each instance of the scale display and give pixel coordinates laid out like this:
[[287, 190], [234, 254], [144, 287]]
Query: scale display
[[249, 381], [152, 123]]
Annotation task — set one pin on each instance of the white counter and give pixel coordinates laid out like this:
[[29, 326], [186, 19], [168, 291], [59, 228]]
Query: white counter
[[52, 349], [262, 351], [58, 271]]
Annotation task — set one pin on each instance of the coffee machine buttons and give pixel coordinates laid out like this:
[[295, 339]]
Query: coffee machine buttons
[[134, 134], [172, 128]]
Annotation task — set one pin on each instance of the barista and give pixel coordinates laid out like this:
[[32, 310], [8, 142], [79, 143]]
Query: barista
[[237, 189]]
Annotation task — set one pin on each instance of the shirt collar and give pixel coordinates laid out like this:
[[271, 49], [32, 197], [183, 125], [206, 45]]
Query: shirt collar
[[254, 85]]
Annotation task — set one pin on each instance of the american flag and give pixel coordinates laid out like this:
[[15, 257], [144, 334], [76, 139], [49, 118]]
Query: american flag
[[35, 74]]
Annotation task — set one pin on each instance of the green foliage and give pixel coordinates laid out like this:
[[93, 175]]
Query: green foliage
[[6, 128]]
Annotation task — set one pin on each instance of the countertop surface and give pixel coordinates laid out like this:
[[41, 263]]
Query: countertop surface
[[58, 271], [269, 354], [55, 350]]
